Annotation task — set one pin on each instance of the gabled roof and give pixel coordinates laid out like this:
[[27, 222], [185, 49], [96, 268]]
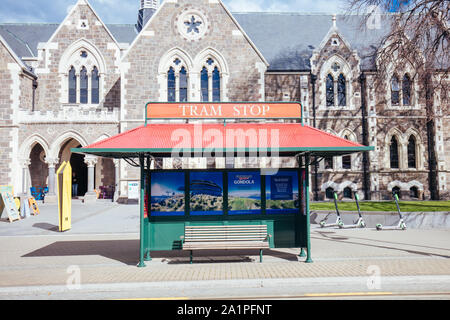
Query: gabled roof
[[16, 58], [157, 139], [286, 40]]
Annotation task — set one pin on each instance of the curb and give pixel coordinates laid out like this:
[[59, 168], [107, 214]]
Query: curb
[[226, 284]]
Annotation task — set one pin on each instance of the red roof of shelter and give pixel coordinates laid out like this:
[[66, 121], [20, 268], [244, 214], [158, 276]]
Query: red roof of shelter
[[160, 139]]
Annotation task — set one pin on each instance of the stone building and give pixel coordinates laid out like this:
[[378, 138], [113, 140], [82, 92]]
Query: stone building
[[71, 84]]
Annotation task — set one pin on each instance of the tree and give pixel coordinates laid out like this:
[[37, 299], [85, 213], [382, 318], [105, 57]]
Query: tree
[[417, 35]]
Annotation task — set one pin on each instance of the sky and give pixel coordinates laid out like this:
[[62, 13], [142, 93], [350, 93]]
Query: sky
[[125, 11]]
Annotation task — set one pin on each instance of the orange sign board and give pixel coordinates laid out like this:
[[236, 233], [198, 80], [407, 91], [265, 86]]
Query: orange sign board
[[229, 110]]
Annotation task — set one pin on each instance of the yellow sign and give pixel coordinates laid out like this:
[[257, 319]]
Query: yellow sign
[[64, 188], [33, 206]]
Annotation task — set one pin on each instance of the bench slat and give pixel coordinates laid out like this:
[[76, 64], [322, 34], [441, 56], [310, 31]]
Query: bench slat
[[226, 237]]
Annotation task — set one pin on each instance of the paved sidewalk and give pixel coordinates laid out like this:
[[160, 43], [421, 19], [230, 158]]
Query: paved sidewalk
[[104, 246], [45, 260]]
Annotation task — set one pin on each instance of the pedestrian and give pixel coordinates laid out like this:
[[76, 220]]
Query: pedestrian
[[74, 185]]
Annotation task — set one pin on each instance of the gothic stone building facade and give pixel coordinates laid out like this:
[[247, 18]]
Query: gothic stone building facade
[[70, 85]]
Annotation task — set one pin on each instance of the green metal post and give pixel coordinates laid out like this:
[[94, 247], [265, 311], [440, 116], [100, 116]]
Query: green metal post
[[308, 224], [302, 253], [141, 250], [148, 257]]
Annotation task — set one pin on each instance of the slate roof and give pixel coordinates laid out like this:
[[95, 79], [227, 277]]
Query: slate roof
[[286, 40]]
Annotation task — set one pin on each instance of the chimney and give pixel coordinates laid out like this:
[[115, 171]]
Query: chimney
[[146, 11]]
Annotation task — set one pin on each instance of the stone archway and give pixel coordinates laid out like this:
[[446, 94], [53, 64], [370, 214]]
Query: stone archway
[[79, 167], [38, 167]]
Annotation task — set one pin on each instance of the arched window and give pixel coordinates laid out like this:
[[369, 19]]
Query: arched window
[[406, 90], [396, 190], [171, 86], [329, 193], [414, 193], [342, 91], [348, 193], [412, 159], [216, 84], [183, 85], [95, 96], [205, 85], [72, 86], [328, 162], [395, 91], [394, 153], [83, 86], [346, 160], [330, 91]]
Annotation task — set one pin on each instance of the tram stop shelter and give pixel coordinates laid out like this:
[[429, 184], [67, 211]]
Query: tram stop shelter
[[223, 194]]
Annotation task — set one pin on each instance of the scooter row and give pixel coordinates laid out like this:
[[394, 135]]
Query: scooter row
[[360, 223]]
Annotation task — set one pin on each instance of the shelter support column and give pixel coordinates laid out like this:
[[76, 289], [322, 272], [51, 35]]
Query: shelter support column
[[117, 179], [141, 207], [91, 195], [51, 196], [308, 213]]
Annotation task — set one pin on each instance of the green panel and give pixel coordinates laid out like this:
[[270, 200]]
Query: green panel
[[166, 236], [284, 234], [287, 232]]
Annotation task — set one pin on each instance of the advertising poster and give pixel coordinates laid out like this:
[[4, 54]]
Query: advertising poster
[[206, 193], [282, 196], [167, 194], [244, 193]]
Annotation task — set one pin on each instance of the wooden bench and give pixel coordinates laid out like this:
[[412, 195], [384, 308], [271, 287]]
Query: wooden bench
[[226, 238]]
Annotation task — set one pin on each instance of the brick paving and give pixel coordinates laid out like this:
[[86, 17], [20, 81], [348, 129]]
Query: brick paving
[[44, 260], [104, 244]]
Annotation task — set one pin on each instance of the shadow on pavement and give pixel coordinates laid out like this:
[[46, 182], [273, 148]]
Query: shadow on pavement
[[327, 236], [46, 226], [127, 252]]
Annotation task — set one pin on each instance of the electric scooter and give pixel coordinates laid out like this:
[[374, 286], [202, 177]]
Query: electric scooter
[[338, 223], [358, 224], [401, 225]]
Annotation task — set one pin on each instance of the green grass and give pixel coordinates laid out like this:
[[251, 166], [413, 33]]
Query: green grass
[[405, 206]]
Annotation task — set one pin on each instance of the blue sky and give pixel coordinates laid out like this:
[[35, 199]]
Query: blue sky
[[125, 11]]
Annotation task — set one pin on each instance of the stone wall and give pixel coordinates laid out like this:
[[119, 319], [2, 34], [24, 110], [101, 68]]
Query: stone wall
[[52, 90], [6, 115]]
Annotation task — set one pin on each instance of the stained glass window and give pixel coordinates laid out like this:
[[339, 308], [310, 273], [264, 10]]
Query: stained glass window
[[72, 86], [394, 153], [205, 85], [171, 97], [216, 85], [330, 91], [83, 86], [95, 86], [406, 87], [183, 85], [395, 91], [342, 91]]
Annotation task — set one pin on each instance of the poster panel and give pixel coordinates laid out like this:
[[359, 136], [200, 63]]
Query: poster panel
[[167, 194], [282, 193], [244, 193], [206, 193]]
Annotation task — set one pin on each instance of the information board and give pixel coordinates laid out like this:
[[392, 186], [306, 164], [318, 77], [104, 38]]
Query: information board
[[8, 206]]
